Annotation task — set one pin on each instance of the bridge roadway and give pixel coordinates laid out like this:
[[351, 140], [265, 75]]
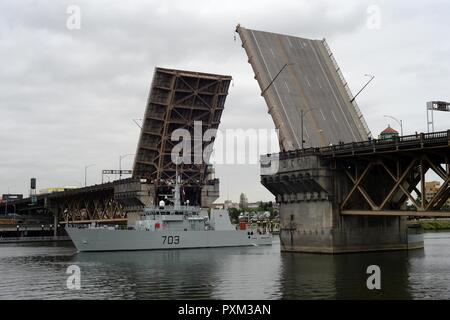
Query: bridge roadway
[[310, 86]]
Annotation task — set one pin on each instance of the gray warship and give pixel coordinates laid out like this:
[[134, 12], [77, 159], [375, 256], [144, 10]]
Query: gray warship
[[173, 226]]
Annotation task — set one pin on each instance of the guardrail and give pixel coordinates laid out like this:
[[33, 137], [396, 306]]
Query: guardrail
[[415, 141]]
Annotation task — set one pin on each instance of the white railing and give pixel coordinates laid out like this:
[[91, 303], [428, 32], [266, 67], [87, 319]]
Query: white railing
[[347, 89]]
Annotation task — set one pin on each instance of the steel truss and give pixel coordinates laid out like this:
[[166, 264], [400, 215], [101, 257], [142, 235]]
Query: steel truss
[[93, 206], [177, 100], [394, 184]]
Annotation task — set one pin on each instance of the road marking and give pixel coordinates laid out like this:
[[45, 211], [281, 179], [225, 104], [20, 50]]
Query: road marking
[[334, 94], [290, 43], [306, 131], [320, 85], [278, 95], [334, 116], [306, 78], [287, 86], [322, 114], [273, 54]]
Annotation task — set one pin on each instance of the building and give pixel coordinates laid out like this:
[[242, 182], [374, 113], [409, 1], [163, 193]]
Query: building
[[9, 197], [388, 133], [55, 189], [243, 201], [228, 204], [431, 188]]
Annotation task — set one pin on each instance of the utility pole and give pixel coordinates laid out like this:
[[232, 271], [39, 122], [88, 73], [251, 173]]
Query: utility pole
[[120, 163], [400, 122], [276, 76], [302, 115], [85, 173], [6, 203], [371, 78]]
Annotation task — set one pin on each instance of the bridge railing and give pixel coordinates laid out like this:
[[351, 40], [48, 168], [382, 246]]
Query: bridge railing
[[418, 140], [347, 89]]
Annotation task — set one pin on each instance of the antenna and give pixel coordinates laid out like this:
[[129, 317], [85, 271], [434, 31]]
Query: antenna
[[177, 186]]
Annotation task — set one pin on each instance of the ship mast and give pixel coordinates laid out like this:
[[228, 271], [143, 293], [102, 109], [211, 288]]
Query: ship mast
[[177, 188]]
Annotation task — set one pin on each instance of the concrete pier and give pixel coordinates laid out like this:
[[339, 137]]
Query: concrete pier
[[310, 193]]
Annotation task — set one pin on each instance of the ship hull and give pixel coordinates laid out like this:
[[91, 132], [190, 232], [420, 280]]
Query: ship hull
[[86, 239]]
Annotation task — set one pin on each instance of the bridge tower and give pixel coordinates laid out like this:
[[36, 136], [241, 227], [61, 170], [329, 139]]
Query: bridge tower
[[339, 190]]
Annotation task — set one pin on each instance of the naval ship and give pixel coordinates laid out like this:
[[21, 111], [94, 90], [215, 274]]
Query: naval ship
[[172, 226]]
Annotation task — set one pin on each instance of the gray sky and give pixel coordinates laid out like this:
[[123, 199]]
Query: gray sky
[[68, 97]]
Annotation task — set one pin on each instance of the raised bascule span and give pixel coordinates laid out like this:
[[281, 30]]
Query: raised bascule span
[[310, 83], [179, 99], [339, 190]]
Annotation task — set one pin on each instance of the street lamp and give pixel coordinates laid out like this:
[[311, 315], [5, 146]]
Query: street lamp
[[136, 122], [6, 203], [276, 76], [400, 123], [302, 115], [85, 173], [371, 78], [120, 163]]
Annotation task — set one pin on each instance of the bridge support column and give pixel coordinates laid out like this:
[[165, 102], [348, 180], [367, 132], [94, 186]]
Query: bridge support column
[[55, 222], [309, 192]]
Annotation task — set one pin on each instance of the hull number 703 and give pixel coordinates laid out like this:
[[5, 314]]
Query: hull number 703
[[171, 239]]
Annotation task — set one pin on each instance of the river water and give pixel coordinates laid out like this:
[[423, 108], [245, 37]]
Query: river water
[[38, 271]]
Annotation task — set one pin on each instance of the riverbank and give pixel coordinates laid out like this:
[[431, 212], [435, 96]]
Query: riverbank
[[435, 224]]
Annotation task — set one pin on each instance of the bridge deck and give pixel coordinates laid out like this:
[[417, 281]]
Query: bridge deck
[[402, 213], [310, 82]]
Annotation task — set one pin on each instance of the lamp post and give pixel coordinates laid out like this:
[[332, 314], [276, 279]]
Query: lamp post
[[367, 83], [302, 115], [400, 123], [276, 76], [6, 202], [120, 162], [85, 173], [136, 122]]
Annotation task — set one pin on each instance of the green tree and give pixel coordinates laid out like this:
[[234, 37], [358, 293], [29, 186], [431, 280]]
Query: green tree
[[234, 214]]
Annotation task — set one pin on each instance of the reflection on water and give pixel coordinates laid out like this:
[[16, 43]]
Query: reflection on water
[[38, 271], [344, 276]]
